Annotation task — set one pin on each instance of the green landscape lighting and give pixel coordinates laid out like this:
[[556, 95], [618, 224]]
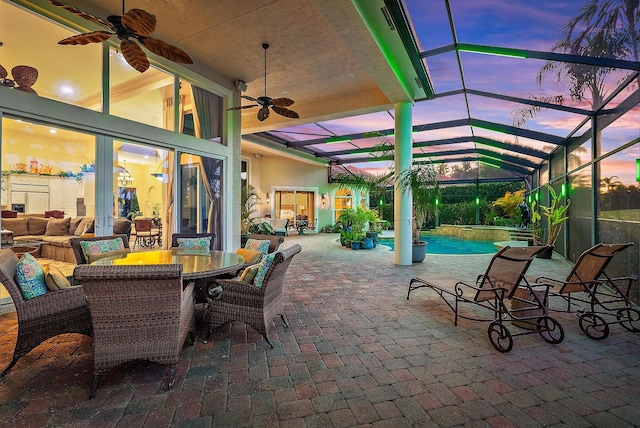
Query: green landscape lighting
[[381, 202], [437, 202], [637, 169], [563, 189], [529, 199], [537, 196], [477, 201]]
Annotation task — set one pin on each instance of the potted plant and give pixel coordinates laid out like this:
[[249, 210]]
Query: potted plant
[[422, 182], [249, 199], [556, 216]]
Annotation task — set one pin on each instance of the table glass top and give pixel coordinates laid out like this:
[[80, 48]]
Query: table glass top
[[192, 261]]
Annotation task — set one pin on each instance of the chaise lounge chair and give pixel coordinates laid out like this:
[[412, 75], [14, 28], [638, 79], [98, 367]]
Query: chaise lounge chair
[[606, 298], [503, 282]]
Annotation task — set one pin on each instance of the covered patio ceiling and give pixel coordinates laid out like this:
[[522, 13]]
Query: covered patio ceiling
[[500, 90]]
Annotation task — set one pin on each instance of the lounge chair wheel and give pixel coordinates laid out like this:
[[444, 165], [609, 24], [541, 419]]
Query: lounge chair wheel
[[594, 326], [500, 337], [631, 321], [550, 330]]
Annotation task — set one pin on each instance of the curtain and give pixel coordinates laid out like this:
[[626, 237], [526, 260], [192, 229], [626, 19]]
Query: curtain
[[169, 114], [207, 114], [211, 170]]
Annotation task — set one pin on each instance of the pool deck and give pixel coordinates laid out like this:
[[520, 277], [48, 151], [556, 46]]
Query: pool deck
[[357, 354]]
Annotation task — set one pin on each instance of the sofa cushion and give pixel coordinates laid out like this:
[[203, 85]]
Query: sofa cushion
[[55, 279], [85, 225], [57, 241], [30, 277], [37, 225], [73, 225], [58, 226], [17, 225]]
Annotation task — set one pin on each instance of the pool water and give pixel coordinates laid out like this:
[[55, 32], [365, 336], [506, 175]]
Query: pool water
[[449, 245]]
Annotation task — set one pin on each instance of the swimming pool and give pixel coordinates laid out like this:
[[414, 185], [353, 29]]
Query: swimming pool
[[449, 245]]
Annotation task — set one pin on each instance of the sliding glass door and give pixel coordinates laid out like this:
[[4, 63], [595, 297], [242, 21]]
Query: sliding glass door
[[297, 206]]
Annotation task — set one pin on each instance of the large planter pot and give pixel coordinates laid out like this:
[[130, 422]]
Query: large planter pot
[[355, 245], [342, 242], [419, 252], [546, 253], [366, 243], [243, 238]]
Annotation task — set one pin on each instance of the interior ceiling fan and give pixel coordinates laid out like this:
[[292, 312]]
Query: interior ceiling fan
[[279, 105], [24, 77], [135, 24]]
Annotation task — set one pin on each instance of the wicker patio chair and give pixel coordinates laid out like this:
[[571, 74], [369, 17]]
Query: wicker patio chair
[[274, 244], [81, 259], [175, 236], [605, 300], [494, 289], [257, 307], [146, 233], [45, 316], [139, 312]]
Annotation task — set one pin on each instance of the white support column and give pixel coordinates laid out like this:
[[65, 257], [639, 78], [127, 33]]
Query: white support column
[[402, 209]]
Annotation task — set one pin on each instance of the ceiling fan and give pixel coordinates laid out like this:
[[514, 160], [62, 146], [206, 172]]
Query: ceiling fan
[[135, 24], [279, 105], [24, 77]]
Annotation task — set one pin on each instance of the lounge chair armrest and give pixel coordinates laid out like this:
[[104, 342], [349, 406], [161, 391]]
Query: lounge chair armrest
[[65, 298], [460, 291], [235, 285]]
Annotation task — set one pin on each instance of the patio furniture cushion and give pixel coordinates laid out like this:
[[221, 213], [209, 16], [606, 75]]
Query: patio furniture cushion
[[30, 277], [58, 227], [249, 274], [102, 246], [37, 225], [17, 225], [258, 245], [94, 257], [195, 243], [55, 279], [262, 271], [250, 256]]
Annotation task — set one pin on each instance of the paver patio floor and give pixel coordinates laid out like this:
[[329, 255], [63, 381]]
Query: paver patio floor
[[358, 353]]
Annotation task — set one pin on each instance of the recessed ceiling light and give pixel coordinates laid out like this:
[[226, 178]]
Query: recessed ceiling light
[[285, 92], [351, 75], [53, 131], [66, 90]]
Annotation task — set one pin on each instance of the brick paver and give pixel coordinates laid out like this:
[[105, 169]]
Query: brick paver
[[358, 353]]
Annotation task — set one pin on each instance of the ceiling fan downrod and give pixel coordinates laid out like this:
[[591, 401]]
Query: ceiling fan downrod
[[265, 46]]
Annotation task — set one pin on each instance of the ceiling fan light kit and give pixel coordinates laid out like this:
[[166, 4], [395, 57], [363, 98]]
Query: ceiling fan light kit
[[278, 105], [136, 24]]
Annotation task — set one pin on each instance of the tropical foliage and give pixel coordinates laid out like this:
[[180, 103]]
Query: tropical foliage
[[422, 182], [510, 202], [249, 200], [556, 215]]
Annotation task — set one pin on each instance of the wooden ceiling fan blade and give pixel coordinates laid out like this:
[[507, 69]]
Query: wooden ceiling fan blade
[[27, 89], [24, 75], [281, 102], [3, 72], [166, 50], [247, 97], [285, 112], [243, 107], [86, 38], [263, 113], [134, 55], [81, 13], [140, 21]]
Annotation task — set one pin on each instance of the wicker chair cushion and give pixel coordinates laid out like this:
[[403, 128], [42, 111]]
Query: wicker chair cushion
[[58, 226], [250, 256], [249, 273], [101, 246], [55, 279], [258, 245], [262, 271], [116, 254], [195, 243], [30, 277]]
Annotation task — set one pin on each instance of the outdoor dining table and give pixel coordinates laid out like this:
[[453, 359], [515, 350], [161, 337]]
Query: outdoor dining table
[[196, 264]]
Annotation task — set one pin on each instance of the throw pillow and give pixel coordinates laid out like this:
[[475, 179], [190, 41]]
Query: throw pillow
[[250, 256], [195, 243], [58, 226], [262, 271], [249, 273], [117, 254], [101, 246], [55, 279], [17, 225], [37, 225], [83, 227], [258, 245], [30, 277], [73, 225]]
